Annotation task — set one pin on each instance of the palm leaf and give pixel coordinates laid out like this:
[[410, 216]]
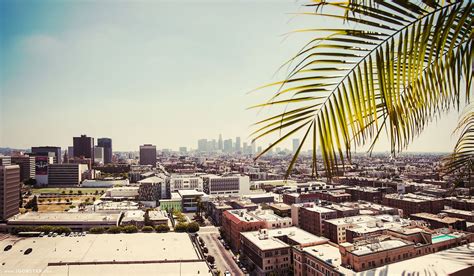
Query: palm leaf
[[400, 66]]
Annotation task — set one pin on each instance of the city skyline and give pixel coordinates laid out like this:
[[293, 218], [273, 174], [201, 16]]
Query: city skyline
[[104, 74]]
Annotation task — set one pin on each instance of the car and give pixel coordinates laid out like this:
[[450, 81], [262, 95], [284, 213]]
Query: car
[[50, 234], [41, 234], [55, 234], [227, 273], [84, 233], [226, 247], [8, 247], [63, 235], [28, 251]]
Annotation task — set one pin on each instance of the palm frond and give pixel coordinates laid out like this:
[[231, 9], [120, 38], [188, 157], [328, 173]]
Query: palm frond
[[461, 161], [401, 65]]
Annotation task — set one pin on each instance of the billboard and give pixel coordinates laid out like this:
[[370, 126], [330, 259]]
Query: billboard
[[41, 164]]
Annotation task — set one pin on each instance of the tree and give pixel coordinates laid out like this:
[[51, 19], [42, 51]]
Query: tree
[[30, 182], [147, 229], [32, 204], [381, 66], [192, 227], [130, 229], [97, 230], [114, 230], [162, 228], [181, 227], [210, 259]]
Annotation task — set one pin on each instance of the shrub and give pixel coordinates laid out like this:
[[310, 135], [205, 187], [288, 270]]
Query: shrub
[[45, 228], [97, 230], [62, 229], [114, 230], [192, 227], [130, 229], [147, 229], [210, 259], [205, 250], [23, 229], [181, 227], [162, 228]]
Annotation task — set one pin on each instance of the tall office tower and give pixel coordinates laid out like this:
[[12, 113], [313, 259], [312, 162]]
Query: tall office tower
[[9, 191], [254, 146], [259, 149], [70, 152], [106, 143], [209, 146], [99, 155], [27, 166], [296, 145], [148, 155], [220, 145], [183, 149], [55, 152], [214, 144], [202, 145], [228, 145], [5, 160], [84, 147], [238, 147], [245, 148]]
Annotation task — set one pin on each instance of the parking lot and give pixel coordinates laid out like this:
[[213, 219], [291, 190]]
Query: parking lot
[[223, 258]]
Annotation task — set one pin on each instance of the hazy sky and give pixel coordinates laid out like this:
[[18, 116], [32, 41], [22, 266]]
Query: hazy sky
[[161, 72]]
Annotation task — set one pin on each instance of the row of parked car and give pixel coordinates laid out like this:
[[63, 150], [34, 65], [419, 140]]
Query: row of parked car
[[54, 234], [236, 260]]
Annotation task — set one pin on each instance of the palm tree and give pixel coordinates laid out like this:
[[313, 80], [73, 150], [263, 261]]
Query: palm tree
[[388, 65]]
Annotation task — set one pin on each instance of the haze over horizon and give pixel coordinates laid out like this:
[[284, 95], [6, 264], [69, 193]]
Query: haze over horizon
[[148, 72]]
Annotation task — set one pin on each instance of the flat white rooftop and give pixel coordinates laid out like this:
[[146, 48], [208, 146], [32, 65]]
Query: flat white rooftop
[[444, 262], [295, 234], [98, 248], [63, 217], [167, 269]]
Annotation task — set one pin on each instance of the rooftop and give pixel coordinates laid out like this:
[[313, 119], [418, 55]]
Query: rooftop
[[380, 245], [439, 218], [445, 262], [99, 248], [295, 234], [63, 217]]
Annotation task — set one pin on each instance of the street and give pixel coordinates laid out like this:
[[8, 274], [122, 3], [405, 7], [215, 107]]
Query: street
[[222, 256]]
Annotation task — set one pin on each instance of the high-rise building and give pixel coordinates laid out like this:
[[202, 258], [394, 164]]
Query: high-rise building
[[106, 143], [55, 152], [9, 191], [220, 145], [70, 152], [238, 146], [41, 168], [5, 160], [202, 145], [254, 147], [148, 155], [296, 145], [27, 166], [66, 174], [228, 145], [183, 150], [99, 155], [83, 147]]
